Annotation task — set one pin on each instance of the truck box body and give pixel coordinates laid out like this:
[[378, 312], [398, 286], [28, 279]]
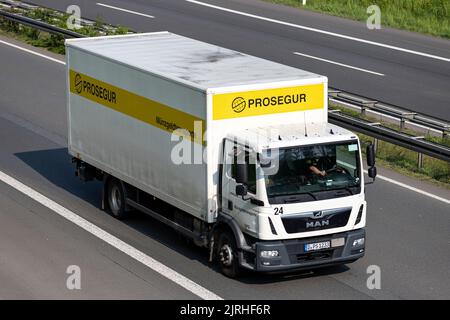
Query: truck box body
[[127, 94]]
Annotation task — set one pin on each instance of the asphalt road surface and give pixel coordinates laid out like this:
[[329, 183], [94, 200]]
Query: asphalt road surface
[[408, 233], [402, 68]]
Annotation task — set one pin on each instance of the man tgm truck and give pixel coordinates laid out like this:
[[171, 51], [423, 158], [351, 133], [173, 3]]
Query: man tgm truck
[[233, 151]]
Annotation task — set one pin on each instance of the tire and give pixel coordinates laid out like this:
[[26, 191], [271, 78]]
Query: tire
[[115, 197], [227, 255]]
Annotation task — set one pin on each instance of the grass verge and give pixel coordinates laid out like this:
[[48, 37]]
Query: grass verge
[[425, 16]]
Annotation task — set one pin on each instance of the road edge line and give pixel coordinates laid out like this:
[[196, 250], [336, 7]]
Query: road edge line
[[411, 188], [32, 52]]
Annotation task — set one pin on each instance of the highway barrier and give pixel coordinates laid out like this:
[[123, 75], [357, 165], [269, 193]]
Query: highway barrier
[[40, 25]]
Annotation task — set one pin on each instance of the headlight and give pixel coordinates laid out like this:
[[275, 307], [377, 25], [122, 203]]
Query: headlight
[[358, 242], [269, 254]]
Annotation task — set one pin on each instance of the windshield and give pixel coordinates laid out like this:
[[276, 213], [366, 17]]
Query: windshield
[[314, 172]]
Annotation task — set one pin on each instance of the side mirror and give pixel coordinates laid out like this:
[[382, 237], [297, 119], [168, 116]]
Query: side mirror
[[370, 154], [241, 173], [264, 162], [372, 172], [241, 190]]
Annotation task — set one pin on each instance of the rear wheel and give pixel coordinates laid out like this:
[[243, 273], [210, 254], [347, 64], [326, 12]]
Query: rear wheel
[[115, 195], [227, 255]]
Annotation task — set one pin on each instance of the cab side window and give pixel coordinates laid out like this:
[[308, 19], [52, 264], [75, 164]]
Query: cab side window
[[251, 169], [250, 161]]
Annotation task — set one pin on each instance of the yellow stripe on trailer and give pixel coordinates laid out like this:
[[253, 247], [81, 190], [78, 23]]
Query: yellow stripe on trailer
[[269, 101], [138, 107]]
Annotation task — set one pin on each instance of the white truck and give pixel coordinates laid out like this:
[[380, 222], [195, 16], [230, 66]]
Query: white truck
[[233, 151]]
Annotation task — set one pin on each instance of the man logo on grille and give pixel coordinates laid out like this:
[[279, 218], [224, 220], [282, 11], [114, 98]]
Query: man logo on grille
[[78, 84], [317, 214], [238, 105]]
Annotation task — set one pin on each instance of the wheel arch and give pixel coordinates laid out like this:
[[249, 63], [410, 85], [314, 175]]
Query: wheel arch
[[225, 222]]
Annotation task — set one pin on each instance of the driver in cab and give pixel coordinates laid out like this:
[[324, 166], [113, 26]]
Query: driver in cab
[[310, 163], [312, 166]]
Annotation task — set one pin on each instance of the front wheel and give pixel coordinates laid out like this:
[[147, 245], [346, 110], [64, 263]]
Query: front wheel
[[227, 255]]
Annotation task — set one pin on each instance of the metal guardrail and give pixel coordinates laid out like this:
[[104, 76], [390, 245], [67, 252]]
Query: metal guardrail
[[397, 137], [376, 130], [40, 25], [403, 115]]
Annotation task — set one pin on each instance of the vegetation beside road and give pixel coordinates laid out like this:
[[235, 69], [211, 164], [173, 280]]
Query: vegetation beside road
[[425, 16], [52, 42]]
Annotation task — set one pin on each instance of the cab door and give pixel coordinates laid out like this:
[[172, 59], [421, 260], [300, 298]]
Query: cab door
[[240, 208]]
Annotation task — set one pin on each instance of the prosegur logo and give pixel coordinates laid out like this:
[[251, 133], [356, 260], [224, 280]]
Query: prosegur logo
[[78, 83], [85, 86], [239, 104]]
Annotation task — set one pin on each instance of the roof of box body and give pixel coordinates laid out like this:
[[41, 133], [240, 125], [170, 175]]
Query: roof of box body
[[292, 134], [189, 61]]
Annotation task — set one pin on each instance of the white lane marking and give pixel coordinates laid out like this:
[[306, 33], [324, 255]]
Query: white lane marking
[[125, 10], [148, 261], [404, 185], [427, 55], [32, 52], [339, 64]]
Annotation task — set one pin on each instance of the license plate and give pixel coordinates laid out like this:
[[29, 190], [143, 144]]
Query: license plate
[[317, 246]]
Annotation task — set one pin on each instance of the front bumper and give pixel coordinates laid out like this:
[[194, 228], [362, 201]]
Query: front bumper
[[292, 255]]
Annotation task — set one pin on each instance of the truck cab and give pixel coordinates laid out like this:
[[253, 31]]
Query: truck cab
[[296, 193]]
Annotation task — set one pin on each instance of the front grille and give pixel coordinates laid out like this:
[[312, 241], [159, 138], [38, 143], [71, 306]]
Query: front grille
[[313, 256], [307, 222]]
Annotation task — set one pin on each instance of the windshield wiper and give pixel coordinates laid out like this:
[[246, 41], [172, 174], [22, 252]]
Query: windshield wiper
[[312, 195], [295, 198], [345, 188]]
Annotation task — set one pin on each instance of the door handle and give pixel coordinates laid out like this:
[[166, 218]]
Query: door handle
[[230, 205]]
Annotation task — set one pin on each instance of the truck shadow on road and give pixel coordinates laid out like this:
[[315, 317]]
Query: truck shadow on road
[[261, 278], [55, 166]]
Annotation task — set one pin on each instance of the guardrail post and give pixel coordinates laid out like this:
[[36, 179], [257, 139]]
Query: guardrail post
[[367, 105], [402, 123], [363, 110], [405, 116], [420, 160], [375, 145]]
